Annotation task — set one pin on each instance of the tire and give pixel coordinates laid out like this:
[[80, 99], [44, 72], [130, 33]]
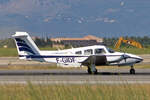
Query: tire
[[89, 71], [95, 72], [92, 72], [132, 71]]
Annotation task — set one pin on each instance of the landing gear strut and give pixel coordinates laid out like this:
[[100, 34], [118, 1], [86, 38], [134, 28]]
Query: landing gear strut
[[91, 65], [92, 70], [132, 70]]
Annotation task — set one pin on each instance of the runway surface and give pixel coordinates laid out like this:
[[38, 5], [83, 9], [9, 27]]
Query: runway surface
[[74, 76]]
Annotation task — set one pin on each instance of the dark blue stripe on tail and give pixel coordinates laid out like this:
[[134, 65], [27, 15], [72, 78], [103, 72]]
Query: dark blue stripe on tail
[[23, 45], [19, 40], [26, 49]]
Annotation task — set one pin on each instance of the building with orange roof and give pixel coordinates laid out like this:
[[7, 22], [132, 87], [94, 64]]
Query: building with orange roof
[[78, 42]]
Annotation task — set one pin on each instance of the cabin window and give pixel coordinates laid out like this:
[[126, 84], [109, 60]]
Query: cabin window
[[99, 51], [88, 52], [78, 52], [110, 50]]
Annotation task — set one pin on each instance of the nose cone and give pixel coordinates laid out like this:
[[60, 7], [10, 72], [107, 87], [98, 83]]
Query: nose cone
[[139, 59], [136, 58]]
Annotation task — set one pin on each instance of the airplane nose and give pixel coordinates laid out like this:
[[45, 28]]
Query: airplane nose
[[135, 58], [139, 60]]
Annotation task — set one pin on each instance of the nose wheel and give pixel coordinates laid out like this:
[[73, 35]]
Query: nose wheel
[[132, 70]]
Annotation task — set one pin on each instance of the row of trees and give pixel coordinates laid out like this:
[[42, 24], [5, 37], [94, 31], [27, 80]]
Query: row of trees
[[42, 42]]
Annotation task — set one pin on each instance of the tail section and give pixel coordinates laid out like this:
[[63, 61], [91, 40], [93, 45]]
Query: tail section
[[25, 46]]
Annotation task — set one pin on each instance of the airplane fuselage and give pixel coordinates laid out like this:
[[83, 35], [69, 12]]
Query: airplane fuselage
[[70, 58]]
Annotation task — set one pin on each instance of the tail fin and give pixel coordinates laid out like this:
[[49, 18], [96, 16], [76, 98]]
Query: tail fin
[[25, 45]]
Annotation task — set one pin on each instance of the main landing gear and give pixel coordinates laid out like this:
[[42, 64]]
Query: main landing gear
[[91, 69], [132, 70]]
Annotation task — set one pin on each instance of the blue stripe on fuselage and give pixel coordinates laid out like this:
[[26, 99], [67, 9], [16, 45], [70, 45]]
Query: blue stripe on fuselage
[[50, 56], [44, 56]]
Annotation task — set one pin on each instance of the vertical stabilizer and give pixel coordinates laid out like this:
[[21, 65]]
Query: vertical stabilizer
[[25, 45]]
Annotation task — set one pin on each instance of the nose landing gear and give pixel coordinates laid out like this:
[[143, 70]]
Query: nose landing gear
[[132, 70]]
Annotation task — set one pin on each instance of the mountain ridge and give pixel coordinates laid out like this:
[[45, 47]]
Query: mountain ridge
[[75, 18]]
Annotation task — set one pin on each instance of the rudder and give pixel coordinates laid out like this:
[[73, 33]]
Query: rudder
[[25, 45]]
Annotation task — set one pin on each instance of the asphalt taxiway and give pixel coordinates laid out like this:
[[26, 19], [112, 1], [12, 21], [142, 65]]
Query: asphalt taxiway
[[74, 76]]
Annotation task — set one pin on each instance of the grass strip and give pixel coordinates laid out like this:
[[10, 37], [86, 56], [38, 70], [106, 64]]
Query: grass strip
[[75, 92]]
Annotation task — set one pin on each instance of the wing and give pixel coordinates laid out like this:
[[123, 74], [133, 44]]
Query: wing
[[95, 59]]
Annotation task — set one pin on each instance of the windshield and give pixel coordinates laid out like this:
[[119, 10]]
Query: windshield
[[110, 50], [100, 51]]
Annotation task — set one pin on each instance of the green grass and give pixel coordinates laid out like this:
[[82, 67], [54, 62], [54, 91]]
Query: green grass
[[48, 48], [136, 50], [75, 92], [8, 52]]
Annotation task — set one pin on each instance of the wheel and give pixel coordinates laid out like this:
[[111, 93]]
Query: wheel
[[92, 72], [132, 71], [95, 72], [89, 71]]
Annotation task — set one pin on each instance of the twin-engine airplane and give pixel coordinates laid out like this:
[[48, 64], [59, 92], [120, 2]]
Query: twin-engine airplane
[[89, 56]]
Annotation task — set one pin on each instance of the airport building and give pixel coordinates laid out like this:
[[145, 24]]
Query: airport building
[[79, 42]]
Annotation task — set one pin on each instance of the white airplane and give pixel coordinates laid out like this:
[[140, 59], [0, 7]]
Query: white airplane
[[89, 56]]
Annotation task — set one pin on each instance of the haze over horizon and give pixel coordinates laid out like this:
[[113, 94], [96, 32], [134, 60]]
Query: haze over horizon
[[75, 18]]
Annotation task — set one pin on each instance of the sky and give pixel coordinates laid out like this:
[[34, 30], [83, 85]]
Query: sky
[[75, 18]]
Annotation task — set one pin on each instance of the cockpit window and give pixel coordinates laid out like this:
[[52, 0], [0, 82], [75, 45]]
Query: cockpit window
[[78, 52], [110, 50], [88, 52], [99, 51]]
